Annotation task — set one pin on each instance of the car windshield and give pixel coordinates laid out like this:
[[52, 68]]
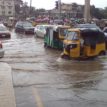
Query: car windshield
[[26, 24], [42, 28], [87, 26], [71, 35], [105, 30], [2, 28]]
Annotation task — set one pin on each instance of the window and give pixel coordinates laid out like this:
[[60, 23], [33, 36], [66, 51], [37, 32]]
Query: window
[[9, 3], [3, 12], [3, 2], [2, 28], [10, 7], [3, 7], [72, 36], [9, 12], [75, 36], [42, 28]]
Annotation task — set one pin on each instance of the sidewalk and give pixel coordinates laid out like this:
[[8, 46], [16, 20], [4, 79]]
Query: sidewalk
[[7, 98]]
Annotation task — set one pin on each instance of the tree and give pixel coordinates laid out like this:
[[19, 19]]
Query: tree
[[24, 10], [104, 11], [32, 11], [18, 4], [96, 12]]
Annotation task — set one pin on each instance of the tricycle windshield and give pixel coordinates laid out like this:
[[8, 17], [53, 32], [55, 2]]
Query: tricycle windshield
[[63, 32], [71, 35]]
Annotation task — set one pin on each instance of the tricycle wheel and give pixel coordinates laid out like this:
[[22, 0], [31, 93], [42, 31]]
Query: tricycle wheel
[[45, 45], [65, 56], [102, 53]]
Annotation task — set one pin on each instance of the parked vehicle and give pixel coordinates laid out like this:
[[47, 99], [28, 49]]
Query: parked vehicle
[[1, 50], [40, 30], [59, 22], [88, 26], [84, 43], [55, 35], [24, 27], [105, 31], [4, 32]]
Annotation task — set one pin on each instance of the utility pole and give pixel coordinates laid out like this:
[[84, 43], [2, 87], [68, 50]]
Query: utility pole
[[30, 8], [59, 8], [87, 16]]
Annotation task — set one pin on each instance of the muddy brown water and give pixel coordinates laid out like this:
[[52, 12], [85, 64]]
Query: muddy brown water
[[60, 83]]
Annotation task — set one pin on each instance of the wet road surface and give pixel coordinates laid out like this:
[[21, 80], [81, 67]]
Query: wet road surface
[[42, 79]]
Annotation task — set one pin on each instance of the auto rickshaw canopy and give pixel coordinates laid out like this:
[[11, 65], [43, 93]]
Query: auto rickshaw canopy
[[90, 36], [93, 36]]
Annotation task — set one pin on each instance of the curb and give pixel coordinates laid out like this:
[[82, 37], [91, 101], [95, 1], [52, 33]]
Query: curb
[[7, 98]]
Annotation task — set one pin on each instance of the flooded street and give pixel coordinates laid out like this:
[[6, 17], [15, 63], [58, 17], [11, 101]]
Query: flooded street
[[42, 79]]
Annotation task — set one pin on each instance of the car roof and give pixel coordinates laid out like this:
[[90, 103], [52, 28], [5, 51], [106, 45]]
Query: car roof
[[85, 29], [3, 27], [87, 26], [44, 25], [1, 24], [55, 26], [21, 22]]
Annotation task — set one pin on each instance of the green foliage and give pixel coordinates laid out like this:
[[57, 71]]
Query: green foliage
[[41, 10], [98, 13], [105, 12], [22, 9]]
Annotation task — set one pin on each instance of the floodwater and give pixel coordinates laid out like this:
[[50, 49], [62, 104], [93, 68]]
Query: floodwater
[[42, 79]]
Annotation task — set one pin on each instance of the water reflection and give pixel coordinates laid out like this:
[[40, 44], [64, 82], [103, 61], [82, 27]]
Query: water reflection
[[21, 36], [83, 75]]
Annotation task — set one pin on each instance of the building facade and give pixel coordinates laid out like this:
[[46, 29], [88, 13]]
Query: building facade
[[72, 10], [7, 8]]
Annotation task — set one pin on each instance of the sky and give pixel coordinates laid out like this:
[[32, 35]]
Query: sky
[[50, 4]]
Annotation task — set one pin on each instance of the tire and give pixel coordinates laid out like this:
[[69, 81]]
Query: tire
[[45, 45], [102, 53], [65, 57]]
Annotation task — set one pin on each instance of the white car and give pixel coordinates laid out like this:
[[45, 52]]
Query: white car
[[105, 31], [1, 50], [4, 32], [40, 30]]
